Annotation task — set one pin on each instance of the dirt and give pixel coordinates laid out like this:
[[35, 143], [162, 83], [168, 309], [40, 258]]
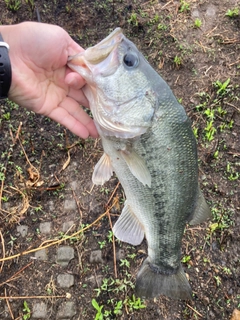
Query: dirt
[[48, 165]]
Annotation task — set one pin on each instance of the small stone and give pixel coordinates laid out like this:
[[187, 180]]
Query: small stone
[[64, 255], [41, 254], [70, 205], [45, 227], [96, 256], [74, 185], [120, 254], [211, 11], [51, 206], [66, 310], [39, 311], [65, 280], [96, 280], [23, 230], [67, 225]]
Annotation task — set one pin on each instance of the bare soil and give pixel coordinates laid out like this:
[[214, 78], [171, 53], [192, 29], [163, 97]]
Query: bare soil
[[48, 165]]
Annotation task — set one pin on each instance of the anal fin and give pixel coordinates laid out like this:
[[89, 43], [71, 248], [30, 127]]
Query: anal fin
[[103, 170], [128, 228]]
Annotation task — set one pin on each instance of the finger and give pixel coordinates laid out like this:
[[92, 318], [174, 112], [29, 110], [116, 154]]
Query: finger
[[74, 48], [75, 112], [79, 96], [73, 79]]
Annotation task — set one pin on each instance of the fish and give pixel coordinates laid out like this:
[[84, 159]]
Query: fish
[[149, 143]]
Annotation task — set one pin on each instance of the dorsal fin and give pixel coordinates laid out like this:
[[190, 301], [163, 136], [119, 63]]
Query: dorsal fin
[[202, 211]]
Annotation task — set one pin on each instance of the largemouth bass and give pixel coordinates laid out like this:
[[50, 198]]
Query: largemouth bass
[[148, 142]]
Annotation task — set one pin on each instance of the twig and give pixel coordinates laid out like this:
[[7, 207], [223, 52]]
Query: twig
[[12, 277], [114, 247], [31, 166], [232, 105], [3, 250], [114, 191], [8, 304], [78, 205], [113, 239], [33, 297], [194, 310], [232, 64]]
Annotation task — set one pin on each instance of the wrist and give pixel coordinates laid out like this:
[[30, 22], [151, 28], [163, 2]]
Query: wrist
[[5, 69]]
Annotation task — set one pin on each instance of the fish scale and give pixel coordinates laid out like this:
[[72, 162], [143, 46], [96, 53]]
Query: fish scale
[[148, 142]]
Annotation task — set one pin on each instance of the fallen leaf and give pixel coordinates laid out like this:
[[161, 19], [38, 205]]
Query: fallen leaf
[[236, 315]]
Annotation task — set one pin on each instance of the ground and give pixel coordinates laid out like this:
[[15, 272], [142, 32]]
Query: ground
[[45, 173]]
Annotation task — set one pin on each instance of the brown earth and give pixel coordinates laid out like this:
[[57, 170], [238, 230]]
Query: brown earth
[[196, 61]]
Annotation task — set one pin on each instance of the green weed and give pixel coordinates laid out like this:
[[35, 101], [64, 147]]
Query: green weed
[[134, 303], [102, 244], [197, 23], [26, 310], [133, 19], [222, 86], [31, 4], [111, 289], [232, 13], [99, 314], [184, 6], [178, 61], [13, 5], [210, 131], [231, 173]]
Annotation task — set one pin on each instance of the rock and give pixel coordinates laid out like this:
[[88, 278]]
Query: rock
[[67, 225], [39, 311], [66, 310], [65, 280], [64, 255], [74, 185], [45, 227], [96, 256], [22, 230], [120, 254], [96, 280], [70, 205], [41, 254]]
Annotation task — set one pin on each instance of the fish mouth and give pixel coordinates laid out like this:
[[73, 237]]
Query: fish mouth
[[102, 60], [95, 59]]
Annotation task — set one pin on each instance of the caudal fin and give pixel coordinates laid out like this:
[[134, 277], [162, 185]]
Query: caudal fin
[[151, 283]]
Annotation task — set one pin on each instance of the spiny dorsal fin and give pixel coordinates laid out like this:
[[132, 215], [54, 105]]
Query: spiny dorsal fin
[[137, 166], [128, 228], [202, 211], [103, 170]]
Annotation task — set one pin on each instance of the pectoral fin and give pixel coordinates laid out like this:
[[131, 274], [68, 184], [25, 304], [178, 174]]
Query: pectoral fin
[[103, 170], [202, 211], [137, 166], [128, 228]]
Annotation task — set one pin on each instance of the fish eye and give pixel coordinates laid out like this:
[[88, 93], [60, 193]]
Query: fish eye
[[130, 60]]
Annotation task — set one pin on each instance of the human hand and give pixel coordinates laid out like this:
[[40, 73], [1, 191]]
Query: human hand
[[41, 80]]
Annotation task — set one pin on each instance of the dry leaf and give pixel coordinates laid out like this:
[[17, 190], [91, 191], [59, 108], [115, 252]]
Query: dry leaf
[[236, 315], [67, 162]]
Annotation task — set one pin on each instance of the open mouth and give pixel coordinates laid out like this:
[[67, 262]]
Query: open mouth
[[98, 53]]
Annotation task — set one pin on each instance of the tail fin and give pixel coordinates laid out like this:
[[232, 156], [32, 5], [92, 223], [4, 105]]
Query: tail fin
[[151, 283]]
